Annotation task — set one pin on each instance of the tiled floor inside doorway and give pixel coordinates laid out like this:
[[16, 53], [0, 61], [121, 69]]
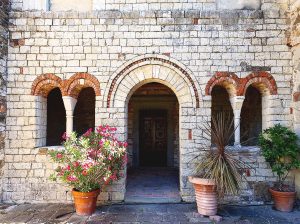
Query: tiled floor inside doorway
[[152, 185]]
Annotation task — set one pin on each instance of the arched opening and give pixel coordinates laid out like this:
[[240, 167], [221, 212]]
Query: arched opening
[[84, 112], [153, 145], [56, 118], [221, 104], [251, 117]]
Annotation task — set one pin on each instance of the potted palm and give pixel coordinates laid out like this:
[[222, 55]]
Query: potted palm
[[280, 149], [218, 172], [88, 163]]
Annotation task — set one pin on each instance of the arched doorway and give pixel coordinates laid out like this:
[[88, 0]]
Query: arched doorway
[[174, 75], [153, 137]]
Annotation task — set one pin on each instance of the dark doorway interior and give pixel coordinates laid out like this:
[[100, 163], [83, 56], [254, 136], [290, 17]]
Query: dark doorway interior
[[153, 146], [153, 138], [153, 127]]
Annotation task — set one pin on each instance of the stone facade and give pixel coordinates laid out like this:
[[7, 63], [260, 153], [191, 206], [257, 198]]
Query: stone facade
[[188, 46], [294, 42], [4, 8]]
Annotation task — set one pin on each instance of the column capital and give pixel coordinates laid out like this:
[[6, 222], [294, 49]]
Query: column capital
[[70, 104], [237, 102]]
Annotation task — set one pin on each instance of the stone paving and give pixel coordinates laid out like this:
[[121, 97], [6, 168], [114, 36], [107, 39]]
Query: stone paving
[[144, 213], [152, 185]]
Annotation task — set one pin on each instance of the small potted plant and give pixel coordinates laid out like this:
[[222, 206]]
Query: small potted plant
[[88, 163], [218, 172], [280, 149]]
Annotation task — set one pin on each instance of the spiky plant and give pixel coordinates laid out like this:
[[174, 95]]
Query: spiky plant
[[218, 163]]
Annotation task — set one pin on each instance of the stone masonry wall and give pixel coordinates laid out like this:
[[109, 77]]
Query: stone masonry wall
[[99, 43], [4, 7], [294, 42], [129, 5]]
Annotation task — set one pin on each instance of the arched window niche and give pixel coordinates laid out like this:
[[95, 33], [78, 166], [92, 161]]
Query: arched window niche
[[84, 113], [56, 118], [251, 117], [221, 104]]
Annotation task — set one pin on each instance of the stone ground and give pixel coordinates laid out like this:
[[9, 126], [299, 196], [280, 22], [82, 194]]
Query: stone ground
[[152, 185], [144, 213]]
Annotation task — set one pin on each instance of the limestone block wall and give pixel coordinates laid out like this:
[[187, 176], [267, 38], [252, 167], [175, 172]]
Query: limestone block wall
[[4, 7], [294, 42], [123, 50], [129, 5]]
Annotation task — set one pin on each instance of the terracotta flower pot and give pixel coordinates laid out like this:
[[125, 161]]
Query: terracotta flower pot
[[284, 201], [85, 202], [206, 195]]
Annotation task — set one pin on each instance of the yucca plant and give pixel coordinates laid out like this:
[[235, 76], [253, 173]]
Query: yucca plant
[[218, 163]]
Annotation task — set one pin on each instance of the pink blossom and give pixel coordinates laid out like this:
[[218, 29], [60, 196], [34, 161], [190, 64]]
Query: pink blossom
[[88, 132], [68, 167], [113, 177], [72, 178], [101, 143], [84, 172], [87, 165], [59, 155], [92, 154], [76, 164]]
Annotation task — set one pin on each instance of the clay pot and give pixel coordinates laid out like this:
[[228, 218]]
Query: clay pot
[[206, 195], [284, 201], [85, 202]]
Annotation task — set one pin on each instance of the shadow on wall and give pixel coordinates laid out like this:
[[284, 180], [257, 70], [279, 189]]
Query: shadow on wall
[[239, 4]]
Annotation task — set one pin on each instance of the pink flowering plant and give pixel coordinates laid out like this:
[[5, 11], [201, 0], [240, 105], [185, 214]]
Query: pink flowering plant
[[90, 161]]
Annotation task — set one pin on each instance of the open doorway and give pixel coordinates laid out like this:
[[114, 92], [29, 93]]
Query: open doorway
[[153, 133]]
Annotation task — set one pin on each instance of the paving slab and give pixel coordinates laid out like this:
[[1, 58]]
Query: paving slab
[[145, 213]]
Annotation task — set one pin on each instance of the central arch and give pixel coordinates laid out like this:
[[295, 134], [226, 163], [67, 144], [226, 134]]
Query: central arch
[[153, 69], [137, 73]]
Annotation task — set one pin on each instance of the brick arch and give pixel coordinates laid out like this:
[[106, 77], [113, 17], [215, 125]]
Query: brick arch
[[263, 81], [43, 84], [145, 74], [80, 81], [163, 70], [157, 62], [228, 80]]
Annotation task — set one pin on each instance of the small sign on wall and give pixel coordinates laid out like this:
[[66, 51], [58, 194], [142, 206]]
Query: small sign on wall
[[239, 4]]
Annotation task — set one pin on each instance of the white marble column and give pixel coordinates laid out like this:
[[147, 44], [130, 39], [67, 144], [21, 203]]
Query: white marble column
[[70, 104], [237, 103]]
